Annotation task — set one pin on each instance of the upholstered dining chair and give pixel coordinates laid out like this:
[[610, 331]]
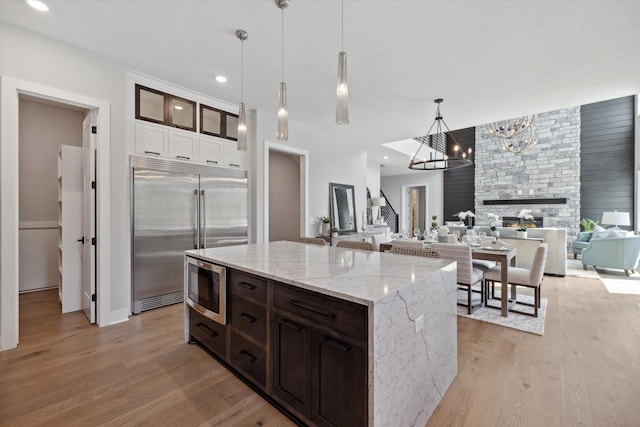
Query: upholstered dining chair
[[313, 240], [408, 250], [354, 244], [468, 275], [530, 278]]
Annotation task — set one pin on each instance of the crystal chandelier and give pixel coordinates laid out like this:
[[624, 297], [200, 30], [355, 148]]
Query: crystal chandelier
[[516, 135], [432, 152]]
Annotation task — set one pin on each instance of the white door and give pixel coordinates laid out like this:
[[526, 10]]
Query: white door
[[89, 132]]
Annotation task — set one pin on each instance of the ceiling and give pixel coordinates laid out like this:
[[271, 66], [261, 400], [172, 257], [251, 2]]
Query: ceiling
[[489, 60]]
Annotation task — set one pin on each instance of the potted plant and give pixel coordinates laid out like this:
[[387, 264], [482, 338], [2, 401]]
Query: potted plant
[[334, 231], [434, 222], [466, 217], [326, 224], [494, 221], [524, 214], [588, 224]]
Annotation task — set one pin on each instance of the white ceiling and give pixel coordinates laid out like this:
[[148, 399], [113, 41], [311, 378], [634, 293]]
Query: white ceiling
[[489, 60]]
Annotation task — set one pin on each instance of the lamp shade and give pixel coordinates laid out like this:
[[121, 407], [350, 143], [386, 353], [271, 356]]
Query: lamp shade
[[616, 218], [378, 201]]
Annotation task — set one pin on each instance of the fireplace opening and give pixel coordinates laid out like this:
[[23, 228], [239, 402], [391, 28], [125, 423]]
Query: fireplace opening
[[514, 222]]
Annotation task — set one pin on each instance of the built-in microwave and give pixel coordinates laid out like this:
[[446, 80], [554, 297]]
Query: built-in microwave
[[207, 289]]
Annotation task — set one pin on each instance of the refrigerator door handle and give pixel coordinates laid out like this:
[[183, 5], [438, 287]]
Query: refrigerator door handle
[[196, 220], [204, 221]]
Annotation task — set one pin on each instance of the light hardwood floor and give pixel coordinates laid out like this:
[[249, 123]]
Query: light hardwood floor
[[585, 370]]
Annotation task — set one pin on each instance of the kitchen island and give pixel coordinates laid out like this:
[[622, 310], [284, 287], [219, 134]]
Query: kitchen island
[[336, 336]]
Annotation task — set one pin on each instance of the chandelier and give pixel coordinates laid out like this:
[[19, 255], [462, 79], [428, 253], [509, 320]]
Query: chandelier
[[432, 152], [516, 135]]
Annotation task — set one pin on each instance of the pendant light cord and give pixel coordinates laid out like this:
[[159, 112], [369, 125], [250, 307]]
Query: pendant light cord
[[342, 25], [282, 41], [241, 70]]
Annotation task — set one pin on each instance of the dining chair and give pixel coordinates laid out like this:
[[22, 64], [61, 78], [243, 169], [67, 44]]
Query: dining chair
[[313, 240], [516, 276], [354, 244], [467, 275], [408, 250]]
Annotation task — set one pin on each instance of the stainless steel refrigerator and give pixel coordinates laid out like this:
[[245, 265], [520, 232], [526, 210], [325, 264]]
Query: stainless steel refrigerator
[[177, 206]]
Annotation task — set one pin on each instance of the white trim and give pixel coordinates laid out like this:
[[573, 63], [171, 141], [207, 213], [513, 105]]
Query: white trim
[[9, 157], [119, 316], [304, 184], [37, 225], [427, 218]]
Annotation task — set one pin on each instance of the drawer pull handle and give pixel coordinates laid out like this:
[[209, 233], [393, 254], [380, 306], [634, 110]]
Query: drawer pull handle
[[235, 165], [183, 157], [151, 152], [313, 309], [290, 324], [249, 318], [336, 343], [248, 285], [212, 161], [207, 329], [250, 357]]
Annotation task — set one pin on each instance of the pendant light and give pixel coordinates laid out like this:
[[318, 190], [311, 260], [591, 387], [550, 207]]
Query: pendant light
[[242, 119], [282, 133], [342, 91]]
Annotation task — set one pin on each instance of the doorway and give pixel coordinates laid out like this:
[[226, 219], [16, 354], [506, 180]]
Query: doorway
[[297, 158], [9, 204], [415, 207], [284, 196]]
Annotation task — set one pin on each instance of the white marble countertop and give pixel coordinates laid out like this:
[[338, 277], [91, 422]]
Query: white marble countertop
[[358, 276]]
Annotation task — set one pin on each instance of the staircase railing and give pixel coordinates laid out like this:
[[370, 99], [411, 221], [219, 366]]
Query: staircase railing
[[389, 214]]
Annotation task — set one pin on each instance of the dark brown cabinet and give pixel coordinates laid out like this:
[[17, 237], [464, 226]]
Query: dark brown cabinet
[[319, 364], [210, 334]]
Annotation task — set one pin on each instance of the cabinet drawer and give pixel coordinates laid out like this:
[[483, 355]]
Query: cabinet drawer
[[250, 318], [248, 357], [341, 316], [246, 285], [210, 334]]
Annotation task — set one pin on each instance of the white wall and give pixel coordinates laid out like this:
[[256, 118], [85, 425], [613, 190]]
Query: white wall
[[392, 187], [42, 129], [284, 196], [373, 178]]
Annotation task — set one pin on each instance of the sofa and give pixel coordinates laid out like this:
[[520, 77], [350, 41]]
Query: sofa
[[613, 252], [581, 242]]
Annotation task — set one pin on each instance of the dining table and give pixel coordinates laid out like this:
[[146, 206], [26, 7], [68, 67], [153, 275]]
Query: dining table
[[505, 257]]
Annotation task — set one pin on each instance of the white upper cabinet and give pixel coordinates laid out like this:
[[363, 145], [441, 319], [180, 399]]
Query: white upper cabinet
[[210, 150], [151, 139], [182, 144], [231, 156]]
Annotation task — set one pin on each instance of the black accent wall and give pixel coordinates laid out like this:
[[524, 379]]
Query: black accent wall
[[607, 158], [459, 184]]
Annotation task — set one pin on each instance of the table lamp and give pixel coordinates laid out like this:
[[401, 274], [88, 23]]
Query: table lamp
[[616, 218]]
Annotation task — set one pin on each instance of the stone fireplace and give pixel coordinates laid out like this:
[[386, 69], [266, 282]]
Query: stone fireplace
[[514, 221]]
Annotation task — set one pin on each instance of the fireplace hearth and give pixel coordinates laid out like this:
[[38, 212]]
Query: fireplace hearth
[[514, 222]]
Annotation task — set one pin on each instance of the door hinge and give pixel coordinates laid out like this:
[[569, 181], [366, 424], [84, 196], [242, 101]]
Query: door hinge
[[93, 241], [93, 297], [93, 185], [94, 129]]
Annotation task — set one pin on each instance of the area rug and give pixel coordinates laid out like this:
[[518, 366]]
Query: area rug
[[617, 283], [521, 322], [574, 268]]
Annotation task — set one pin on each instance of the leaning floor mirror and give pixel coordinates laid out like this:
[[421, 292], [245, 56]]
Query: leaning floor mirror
[[343, 207]]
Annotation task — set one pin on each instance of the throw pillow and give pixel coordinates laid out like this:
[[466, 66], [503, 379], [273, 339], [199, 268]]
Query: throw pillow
[[599, 232], [617, 233]]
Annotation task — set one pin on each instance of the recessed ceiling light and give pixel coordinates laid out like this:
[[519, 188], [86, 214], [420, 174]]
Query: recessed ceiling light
[[177, 107], [38, 5], [221, 79], [386, 157]]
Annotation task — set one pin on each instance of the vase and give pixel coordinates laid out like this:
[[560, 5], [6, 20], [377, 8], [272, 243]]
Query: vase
[[326, 227], [471, 232], [521, 234], [495, 233]]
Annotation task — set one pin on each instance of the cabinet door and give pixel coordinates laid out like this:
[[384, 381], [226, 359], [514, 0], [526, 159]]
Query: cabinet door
[[182, 145], [339, 382], [151, 139], [210, 151], [292, 363], [232, 157]]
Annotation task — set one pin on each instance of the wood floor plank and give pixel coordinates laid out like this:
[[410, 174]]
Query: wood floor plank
[[585, 370]]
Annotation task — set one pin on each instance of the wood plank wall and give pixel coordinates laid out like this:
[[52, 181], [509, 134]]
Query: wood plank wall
[[607, 158], [459, 184]]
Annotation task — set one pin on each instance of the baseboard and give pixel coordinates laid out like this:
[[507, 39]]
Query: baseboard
[[118, 316]]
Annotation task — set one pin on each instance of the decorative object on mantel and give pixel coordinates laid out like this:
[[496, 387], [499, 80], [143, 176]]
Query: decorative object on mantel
[[516, 135], [466, 218], [495, 220], [435, 155], [342, 91], [242, 119], [524, 214], [282, 133]]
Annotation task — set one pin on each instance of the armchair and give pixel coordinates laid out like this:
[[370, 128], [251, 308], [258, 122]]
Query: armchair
[[617, 252], [581, 242]]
